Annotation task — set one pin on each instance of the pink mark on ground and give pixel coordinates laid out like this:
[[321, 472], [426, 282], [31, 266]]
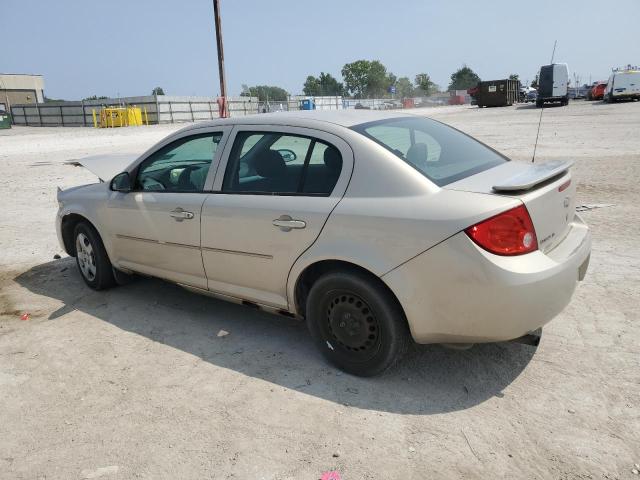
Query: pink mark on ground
[[331, 476]]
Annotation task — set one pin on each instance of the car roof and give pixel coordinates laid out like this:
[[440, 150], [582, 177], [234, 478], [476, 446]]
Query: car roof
[[345, 118]]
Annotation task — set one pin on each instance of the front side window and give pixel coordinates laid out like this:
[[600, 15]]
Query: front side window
[[181, 166], [441, 153], [280, 164]]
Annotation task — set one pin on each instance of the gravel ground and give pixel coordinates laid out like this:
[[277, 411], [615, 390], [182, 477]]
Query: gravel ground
[[135, 383]]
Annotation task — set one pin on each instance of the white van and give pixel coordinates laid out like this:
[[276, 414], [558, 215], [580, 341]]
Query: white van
[[623, 84], [553, 84]]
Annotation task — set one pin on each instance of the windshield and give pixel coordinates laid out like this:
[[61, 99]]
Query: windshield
[[441, 153]]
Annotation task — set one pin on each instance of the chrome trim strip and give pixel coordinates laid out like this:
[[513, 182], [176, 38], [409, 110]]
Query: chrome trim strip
[[195, 247], [183, 245], [157, 242], [238, 252], [128, 237]]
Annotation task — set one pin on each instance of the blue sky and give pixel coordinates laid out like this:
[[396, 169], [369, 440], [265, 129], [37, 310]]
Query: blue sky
[[127, 47]]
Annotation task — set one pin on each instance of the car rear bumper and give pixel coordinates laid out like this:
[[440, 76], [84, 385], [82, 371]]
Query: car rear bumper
[[457, 292]]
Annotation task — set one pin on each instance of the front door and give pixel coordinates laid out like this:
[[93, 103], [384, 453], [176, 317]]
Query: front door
[[157, 225], [270, 202], [560, 80]]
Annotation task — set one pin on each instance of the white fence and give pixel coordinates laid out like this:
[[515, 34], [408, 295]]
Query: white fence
[[160, 109], [176, 109]]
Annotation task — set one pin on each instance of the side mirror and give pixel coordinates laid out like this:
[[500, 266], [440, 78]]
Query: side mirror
[[121, 183], [287, 154]]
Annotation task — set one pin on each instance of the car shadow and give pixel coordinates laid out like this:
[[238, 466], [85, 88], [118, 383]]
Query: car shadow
[[431, 379], [601, 103], [532, 106]]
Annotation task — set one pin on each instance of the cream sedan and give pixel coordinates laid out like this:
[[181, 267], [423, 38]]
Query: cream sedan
[[377, 228]]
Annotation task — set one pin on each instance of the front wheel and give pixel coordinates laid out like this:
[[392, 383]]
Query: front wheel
[[92, 259], [356, 323]]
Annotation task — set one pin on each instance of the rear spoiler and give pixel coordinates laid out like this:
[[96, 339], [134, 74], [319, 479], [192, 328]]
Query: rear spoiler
[[534, 175]]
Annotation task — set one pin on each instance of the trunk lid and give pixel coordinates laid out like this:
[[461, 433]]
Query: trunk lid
[[546, 189]]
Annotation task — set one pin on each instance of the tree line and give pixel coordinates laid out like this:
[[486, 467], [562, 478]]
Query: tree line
[[366, 79]]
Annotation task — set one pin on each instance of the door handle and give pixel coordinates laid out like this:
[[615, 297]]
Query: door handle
[[286, 223], [180, 214]]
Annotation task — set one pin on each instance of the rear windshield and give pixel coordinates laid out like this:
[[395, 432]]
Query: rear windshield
[[441, 153]]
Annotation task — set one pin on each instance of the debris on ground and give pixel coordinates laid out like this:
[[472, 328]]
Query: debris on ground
[[223, 333], [99, 472], [57, 257], [591, 206], [25, 316]]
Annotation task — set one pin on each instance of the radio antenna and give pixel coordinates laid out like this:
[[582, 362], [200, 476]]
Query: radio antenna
[[553, 54], [535, 146]]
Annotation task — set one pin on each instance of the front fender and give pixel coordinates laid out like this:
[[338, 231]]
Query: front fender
[[88, 202]]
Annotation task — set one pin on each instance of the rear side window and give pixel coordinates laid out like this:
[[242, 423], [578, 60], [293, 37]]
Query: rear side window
[[276, 163], [441, 153]]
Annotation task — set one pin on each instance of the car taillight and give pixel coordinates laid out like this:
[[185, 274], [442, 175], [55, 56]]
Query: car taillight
[[508, 233]]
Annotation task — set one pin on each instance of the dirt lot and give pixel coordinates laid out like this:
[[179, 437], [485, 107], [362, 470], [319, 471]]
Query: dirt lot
[[134, 382]]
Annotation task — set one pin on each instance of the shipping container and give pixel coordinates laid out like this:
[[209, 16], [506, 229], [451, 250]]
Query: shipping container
[[497, 93]]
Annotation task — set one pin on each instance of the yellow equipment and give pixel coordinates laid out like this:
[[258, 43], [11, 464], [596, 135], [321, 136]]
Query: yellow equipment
[[111, 117]]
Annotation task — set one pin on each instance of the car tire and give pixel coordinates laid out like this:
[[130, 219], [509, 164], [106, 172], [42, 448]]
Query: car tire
[[91, 258], [356, 323]]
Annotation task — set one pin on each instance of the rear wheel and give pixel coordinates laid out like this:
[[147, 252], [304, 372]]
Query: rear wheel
[[356, 323], [91, 258]]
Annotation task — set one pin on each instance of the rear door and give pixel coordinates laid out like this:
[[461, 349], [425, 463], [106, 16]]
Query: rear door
[[545, 83], [626, 83], [273, 192], [560, 80]]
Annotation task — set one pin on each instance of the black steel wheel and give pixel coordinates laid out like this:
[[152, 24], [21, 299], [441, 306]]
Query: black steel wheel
[[356, 322], [351, 324]]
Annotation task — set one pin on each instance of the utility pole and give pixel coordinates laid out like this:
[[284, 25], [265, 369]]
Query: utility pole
[[223, 83]]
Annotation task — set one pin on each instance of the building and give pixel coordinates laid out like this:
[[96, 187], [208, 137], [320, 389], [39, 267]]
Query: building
[[17, 88]]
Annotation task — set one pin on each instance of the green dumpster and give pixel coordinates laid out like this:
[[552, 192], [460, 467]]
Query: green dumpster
[[5, 119]]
